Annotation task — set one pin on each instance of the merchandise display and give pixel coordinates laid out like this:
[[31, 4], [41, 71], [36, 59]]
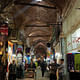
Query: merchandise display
[[10, 52], [73, 62], [77, 61]]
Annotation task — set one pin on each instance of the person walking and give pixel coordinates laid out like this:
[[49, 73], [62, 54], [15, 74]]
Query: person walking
[[32, 65], [61, 69], [53, 70], [43, 66], [1, 70], [12, 71]]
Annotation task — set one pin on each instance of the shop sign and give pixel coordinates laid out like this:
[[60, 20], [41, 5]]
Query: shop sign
[[76, 39], [4, 30], [69, 43]]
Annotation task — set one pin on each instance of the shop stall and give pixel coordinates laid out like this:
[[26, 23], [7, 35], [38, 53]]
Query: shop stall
[[3, 49], [3, 38], [73, 56], [73, 63], [10, 52]]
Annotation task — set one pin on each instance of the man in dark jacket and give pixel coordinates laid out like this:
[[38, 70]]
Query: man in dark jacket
[[32, 65], [61, 69], [1, 70], [53, 70], [12, 71], [43, 66]]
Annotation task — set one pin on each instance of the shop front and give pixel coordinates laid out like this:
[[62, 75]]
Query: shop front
[[3, 50], [3, 41], [73, 54]]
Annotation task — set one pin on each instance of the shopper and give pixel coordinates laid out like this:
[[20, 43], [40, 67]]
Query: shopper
[[36, 64], [61, 69], [43, 66], [53, 66], [12, 71], [4, 71], [32, 65], [1, 70], [26, 65]]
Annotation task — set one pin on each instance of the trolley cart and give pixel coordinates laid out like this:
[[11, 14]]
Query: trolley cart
[[30, 73]]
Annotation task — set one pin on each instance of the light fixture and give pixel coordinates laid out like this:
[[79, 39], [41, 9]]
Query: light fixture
[[38, 0], [14, 41], [7, 22]]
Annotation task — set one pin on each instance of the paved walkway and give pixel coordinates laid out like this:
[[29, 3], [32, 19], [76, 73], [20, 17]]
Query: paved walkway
[[33, 79], [38, 76], [26, 79]]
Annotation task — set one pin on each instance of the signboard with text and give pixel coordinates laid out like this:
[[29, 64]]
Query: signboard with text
[[4, 30]]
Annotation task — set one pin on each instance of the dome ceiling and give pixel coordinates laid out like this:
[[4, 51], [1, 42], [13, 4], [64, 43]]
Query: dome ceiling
[[33, 18]]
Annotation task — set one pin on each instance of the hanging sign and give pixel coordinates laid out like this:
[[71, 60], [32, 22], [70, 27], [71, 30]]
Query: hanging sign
[[76, 39], [4, 30]]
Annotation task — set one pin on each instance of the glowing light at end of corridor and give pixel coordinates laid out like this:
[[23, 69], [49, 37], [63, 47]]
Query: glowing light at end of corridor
[[38, 0]]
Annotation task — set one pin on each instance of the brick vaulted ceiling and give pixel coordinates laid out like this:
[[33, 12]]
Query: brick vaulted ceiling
[[32, 18]]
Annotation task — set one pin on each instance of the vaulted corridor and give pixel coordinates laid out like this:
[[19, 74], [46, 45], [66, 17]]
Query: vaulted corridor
[[39, 39]]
